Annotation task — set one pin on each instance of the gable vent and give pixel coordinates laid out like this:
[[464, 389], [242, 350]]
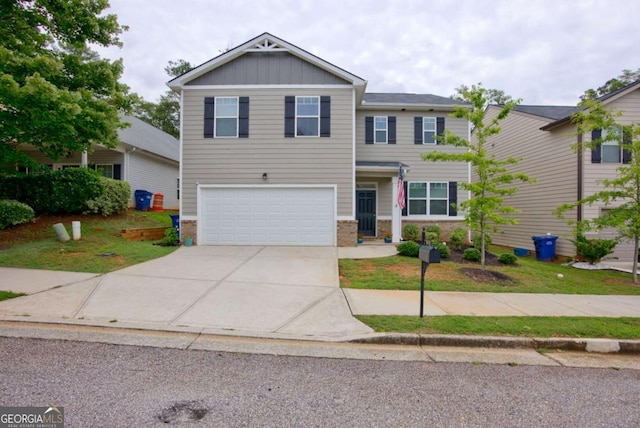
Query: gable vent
[[267, 45]]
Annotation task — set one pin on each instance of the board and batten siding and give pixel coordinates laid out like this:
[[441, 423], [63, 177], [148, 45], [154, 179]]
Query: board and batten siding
[[268, 68], [547, 157], [407, 152], [300, 160]]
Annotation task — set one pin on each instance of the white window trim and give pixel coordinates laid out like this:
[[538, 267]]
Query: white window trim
[[614, 142], [95, 167], [307, 116], [435, 129], [428, 199], [386, 130], [216, 117]]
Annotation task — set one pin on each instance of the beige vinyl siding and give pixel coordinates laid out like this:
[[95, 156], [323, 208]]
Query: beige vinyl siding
[[308, 160], [549, 158], [155, 176], [406, 151]]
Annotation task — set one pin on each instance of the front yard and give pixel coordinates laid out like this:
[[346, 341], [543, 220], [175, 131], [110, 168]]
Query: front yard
[[101, 249], [528, 276]]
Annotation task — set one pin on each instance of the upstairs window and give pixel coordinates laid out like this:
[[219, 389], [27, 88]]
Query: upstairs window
[[611, 147], [381, 130], [226, 114], [428, 130], [307, 116]]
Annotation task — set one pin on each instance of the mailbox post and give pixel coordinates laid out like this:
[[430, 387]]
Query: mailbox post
[[427, 254]]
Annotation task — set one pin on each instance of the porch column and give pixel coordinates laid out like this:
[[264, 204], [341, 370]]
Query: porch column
[[84, 160], [396, 212]]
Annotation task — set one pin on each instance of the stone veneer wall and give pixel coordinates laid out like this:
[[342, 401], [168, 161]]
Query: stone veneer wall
[[189, 228], [445, 226], [384, 227], [347, 233]]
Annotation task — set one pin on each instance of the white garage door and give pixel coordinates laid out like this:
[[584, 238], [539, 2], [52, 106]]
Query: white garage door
[[267, 216]]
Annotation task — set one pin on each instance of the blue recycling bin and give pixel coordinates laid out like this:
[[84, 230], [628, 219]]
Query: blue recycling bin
[[545, 247], [143, 200], [175, 220]]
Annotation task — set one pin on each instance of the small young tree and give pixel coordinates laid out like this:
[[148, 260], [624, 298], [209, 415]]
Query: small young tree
[[621, 194], [486, 209]]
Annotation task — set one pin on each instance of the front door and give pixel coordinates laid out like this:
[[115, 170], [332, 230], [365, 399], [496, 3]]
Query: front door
[[366, 212]]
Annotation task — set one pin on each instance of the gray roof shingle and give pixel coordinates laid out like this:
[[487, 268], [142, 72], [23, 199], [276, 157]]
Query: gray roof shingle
[[550, 112], [149, 138], [408, 99]]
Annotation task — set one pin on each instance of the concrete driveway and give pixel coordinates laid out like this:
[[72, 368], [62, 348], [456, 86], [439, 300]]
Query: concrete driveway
[[287, 291]]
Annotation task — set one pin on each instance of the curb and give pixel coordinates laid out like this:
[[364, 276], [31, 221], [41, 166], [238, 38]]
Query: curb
[[537, 343]]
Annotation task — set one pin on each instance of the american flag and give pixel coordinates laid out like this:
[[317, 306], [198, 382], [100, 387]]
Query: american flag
[[401, 196]]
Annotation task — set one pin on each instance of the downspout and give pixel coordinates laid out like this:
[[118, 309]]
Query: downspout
[[580, 177]]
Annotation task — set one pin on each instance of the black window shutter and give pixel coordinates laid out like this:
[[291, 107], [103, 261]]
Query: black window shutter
[[325, 116], [626, 140], [117, 171], [368, 130], [391, 125], [209, 116], [439, 128], [406, 199], [453, 198], [243, 117], [417, 130], [596, 152], [289, 116]]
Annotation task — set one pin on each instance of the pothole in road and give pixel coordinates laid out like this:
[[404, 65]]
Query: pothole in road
[[184, 411]]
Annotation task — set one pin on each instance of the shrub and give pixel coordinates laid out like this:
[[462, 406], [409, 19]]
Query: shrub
[[472, 254], [13, 213], [442, 249], [171, 238], [593, 250], [55, 192], [507, 258], [113, 200], [411, 232], [431, 237], [409, 249], [434, 231], [477, 241], [458, 238]]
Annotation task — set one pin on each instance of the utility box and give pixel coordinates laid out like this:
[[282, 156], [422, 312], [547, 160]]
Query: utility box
[[429, 254]]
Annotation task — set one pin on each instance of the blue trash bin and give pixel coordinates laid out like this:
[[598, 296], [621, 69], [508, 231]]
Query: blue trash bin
[[143, 200], [175, 220], [545, 247]]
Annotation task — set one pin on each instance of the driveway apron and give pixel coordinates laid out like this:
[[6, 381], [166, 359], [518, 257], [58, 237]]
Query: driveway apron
[[289, 291]]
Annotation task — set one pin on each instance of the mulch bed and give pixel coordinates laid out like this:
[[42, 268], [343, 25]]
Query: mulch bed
[[477, 273]]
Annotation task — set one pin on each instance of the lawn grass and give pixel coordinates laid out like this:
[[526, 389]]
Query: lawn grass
[[529, 276], [101, 249], [5, 295], [578, 327]]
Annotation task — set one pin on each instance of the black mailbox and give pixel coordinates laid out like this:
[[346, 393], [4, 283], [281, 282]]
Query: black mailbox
[[429, 254]]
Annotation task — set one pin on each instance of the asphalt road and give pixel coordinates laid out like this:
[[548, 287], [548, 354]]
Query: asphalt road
[[103, 385]]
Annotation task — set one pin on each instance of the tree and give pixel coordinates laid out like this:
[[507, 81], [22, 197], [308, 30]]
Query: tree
[[486, 209], [494, 96], [55, 93], [625, 78], [620, 195], [165, 114]]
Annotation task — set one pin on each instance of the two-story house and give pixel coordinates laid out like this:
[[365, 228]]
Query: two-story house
[[280, 147], [545, 139]]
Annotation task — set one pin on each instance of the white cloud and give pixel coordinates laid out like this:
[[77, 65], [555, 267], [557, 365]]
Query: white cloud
[[544, 51]]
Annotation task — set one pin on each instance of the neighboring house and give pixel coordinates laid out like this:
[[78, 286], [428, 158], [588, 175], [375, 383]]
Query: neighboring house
[[280, 147], [544, 137], [147, 158]]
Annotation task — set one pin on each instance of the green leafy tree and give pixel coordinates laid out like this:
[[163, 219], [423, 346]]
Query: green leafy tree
[[486, 209], [494, 96], [165, 114], [621, 194], [625, 78], [55, 92]]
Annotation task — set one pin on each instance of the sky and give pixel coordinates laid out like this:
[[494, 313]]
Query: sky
[[546, 52]]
